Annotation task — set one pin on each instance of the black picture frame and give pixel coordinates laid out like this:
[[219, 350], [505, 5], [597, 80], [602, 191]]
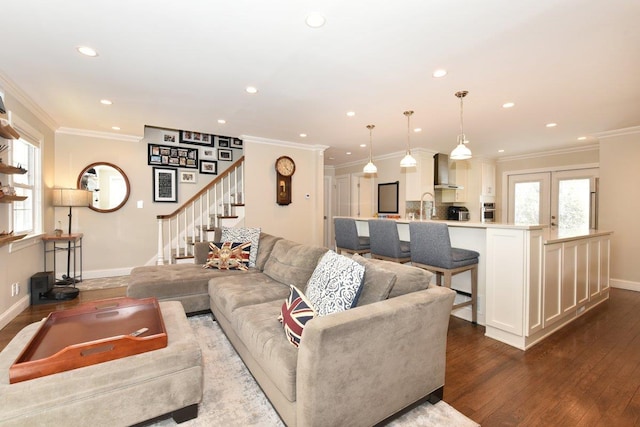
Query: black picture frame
[[172, 156], [237, 143], [225, 155], [388, 197], [209, 167], [224, 141], [165, 185], [196, 138]]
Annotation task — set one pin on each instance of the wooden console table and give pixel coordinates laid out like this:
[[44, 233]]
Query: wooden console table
[[72, 244]]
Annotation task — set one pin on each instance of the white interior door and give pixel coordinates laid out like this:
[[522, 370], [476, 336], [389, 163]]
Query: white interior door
[[343, 195]]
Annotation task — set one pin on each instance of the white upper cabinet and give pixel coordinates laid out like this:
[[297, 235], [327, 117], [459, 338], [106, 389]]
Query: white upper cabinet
[[488, 179]]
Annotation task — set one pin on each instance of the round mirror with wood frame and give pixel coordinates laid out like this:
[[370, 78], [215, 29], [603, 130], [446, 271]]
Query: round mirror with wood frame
[[109, 185]]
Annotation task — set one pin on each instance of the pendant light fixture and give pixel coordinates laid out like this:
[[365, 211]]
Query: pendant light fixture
[[370, 167], [461, 152], [408, 161]]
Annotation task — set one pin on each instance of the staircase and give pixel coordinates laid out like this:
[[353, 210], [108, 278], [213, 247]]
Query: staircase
[[220, 203]]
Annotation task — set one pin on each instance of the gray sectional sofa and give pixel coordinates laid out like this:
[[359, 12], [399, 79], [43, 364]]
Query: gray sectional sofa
[[353, 368]]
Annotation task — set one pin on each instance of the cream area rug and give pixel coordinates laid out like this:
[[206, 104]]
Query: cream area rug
[[103, 283], [233, 398]]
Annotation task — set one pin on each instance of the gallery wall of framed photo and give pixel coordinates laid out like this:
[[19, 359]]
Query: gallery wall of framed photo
[[185, 157]]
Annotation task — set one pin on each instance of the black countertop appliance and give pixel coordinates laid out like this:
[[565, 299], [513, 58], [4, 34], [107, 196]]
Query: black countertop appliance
[[457, 213]]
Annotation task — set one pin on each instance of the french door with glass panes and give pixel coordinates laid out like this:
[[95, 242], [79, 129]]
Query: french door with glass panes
[[565, 199]]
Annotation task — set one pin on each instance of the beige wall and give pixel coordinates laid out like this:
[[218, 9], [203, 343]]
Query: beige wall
[[302, 220], [18, 262], [620, 204]]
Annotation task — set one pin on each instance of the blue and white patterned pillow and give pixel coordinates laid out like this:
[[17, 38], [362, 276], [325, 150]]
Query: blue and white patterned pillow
[[335, 284], [243, 234], [296, 311]]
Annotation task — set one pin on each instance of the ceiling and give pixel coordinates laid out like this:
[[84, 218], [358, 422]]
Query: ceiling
[[186, 64]]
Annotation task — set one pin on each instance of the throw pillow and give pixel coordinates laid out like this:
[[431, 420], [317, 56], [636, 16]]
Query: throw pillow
[[294, 315], [228, 255], [377, 282], [244, 234], [335, 284]]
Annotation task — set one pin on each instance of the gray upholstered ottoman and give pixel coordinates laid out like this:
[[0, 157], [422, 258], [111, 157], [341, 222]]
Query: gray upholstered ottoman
[[116, 393]]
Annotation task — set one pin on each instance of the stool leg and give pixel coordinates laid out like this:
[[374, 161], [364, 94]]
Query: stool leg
[[474, 294], [438, 278], [447, 279]]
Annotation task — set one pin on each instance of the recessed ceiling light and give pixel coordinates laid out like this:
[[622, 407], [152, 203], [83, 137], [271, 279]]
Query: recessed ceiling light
[[105, 102], [417, 130], [315, 20], [87, 51], [363, 145], [222, 121], [348, 153], [439, 73], [115, 127], [251, 89], [582, 138], [501, 151], [508, 105], [351, 113], [303, 135], [551, 125]]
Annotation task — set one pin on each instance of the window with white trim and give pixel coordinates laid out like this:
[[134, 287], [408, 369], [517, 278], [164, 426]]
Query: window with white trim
[[25, 152]]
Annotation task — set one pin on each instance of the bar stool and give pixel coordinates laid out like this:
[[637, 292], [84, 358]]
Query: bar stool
[[347, 238], [431, 249], [386, 243]]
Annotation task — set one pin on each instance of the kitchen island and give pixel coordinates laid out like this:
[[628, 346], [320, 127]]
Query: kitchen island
[[531, 280]]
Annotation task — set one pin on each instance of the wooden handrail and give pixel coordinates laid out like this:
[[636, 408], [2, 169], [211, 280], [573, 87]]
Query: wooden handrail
[[203, 190]]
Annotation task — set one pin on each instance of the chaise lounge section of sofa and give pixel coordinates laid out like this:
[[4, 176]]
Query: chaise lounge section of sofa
[[353, 368]]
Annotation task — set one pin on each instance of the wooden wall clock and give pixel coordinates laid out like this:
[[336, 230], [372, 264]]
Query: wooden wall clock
[[285, 167]]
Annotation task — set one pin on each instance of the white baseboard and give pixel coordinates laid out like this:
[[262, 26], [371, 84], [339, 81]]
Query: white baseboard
[[14, 310], [625, 284], [96, 274]]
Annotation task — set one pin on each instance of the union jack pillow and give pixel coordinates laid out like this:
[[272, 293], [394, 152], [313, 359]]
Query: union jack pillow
[[228, 255], [295, 313]]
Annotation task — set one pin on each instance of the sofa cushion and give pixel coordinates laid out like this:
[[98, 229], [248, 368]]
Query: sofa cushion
[[267, 241], [408, 278], [243, 234], [228, 255], [258, 328], [293, 263], [167, 282], [230, 293], [295, 312], [335, 284], [377, 282]]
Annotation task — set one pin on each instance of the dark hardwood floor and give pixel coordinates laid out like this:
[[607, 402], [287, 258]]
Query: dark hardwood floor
[[587, 374]]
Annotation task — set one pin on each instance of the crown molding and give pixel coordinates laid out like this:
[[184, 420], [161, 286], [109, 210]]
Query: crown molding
[[279, 143], [618, 132], [394, 155], [97, 134], [21, 96], [568, 150]]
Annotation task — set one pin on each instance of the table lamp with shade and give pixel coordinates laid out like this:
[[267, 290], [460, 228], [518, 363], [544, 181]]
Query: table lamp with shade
[[71, 197]]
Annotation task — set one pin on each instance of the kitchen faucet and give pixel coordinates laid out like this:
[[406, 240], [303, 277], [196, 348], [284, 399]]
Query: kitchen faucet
[[433, 204]]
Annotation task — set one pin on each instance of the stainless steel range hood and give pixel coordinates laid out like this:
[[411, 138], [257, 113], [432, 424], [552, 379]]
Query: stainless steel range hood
[[441, 173]]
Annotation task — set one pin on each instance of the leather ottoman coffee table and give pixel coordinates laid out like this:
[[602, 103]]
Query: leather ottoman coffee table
[[118, 392]]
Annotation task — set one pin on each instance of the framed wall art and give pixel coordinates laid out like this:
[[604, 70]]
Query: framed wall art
[[178, 157], [224, 141], [209, 166], [236, 143], [165, 185], [169, 136], [208, 154], [197, 138], [188, 177], [224, 154]]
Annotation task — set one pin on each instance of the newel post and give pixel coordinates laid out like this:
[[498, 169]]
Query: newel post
[[160, 258]]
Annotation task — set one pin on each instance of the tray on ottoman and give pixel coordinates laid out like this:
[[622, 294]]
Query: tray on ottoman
[[91, 333]]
